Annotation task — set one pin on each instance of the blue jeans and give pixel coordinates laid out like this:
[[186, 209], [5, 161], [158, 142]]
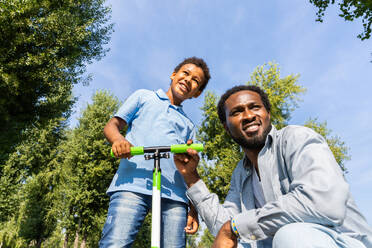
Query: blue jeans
[[307, 235], [127, 212]]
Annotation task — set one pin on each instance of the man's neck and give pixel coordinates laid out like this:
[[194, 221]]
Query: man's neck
[[252, 155]]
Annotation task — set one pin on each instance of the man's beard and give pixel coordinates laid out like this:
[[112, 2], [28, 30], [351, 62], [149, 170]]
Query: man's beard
[[255, 142]]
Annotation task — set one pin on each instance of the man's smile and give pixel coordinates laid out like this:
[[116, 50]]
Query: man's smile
[[251, 127]]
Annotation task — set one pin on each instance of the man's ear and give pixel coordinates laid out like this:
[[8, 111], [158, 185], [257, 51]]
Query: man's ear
[[226, 128]]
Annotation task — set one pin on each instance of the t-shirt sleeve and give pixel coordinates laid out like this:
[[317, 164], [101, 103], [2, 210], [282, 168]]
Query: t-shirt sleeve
[[130, 106], [192, 134]]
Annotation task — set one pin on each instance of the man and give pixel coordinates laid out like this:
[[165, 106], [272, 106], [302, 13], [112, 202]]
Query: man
[[288, 191]]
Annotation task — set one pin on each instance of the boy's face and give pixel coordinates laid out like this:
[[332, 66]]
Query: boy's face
[[186, 83]]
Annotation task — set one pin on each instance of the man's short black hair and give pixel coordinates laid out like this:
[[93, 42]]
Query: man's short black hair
[[199, 63], [228, 93]]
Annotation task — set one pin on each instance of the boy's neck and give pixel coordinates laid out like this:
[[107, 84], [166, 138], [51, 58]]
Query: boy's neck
[[171, 98]]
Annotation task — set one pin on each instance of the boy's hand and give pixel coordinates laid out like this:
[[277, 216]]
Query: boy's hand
[[192, 221], [121, 148], [186, 164]]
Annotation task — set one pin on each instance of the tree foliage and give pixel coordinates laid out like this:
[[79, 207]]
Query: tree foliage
[[350, 10], [85, 172], [26, 183], [44, 48], [206, 240]]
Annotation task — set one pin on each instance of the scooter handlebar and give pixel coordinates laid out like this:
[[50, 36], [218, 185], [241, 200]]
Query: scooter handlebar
[[179, 148]]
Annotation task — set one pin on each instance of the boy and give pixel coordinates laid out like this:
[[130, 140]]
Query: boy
[[153, 119]]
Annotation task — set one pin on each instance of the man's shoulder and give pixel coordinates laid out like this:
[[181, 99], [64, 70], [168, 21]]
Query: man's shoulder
[[296, 130], [294, 134]]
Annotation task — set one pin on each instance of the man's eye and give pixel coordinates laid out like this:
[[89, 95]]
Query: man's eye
[[235, 112]]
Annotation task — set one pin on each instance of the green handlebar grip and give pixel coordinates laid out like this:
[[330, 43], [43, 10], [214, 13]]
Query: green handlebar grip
[[182, 148], [136, 150]]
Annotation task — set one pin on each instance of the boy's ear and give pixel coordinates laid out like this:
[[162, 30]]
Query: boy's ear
[[172, 76]]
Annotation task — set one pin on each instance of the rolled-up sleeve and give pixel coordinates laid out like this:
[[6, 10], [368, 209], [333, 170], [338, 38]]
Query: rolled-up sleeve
[[212, 212]]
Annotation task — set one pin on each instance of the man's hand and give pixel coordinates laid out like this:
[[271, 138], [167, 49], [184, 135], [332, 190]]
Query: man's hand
[[225, 238], [192, 221], [121, 148], [186, 164]]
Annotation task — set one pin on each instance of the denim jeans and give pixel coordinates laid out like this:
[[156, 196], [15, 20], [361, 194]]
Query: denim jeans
[[127, 212], [306, 235]]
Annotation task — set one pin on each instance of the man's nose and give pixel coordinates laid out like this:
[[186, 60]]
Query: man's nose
[[248, 114]]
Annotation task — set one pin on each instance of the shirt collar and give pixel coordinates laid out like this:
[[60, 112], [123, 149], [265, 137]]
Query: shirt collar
[[269, 141], [271, 136], [163, 96]]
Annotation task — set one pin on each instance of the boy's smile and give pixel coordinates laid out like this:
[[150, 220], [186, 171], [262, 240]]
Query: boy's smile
[[186, 83]]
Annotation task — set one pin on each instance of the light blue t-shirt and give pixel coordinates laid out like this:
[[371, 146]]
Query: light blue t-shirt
[[152, 121]]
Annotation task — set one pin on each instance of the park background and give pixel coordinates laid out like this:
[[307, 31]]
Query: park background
[[150, 38], [234, 38]]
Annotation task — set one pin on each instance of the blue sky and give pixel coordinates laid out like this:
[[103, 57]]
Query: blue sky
[[234, 37]]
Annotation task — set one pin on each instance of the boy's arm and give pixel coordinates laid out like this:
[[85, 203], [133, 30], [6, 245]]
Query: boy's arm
[[192, 220], [120, 146]]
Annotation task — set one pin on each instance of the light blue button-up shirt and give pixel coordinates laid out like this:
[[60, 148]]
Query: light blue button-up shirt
[[301, 182], [152, 121]]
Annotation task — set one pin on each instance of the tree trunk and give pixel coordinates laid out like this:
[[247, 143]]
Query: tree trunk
[[65, 243], [76, 242], [84, 242], [38, 244]]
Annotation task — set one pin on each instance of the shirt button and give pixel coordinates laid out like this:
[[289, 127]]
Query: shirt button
[[253, 237]]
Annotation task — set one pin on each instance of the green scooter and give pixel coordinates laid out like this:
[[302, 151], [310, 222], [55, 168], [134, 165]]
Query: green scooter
[[156, 153]]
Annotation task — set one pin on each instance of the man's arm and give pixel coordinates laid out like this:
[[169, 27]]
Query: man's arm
[[207, 204], [120, 146]]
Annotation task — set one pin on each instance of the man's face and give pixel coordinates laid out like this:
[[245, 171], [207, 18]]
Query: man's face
[[247, 120], [186, 82]]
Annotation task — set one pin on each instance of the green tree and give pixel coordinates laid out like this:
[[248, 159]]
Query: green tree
[[25, 185], [206, 240], [44, 46], [84, 174], [350, 10], [222, 153]]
